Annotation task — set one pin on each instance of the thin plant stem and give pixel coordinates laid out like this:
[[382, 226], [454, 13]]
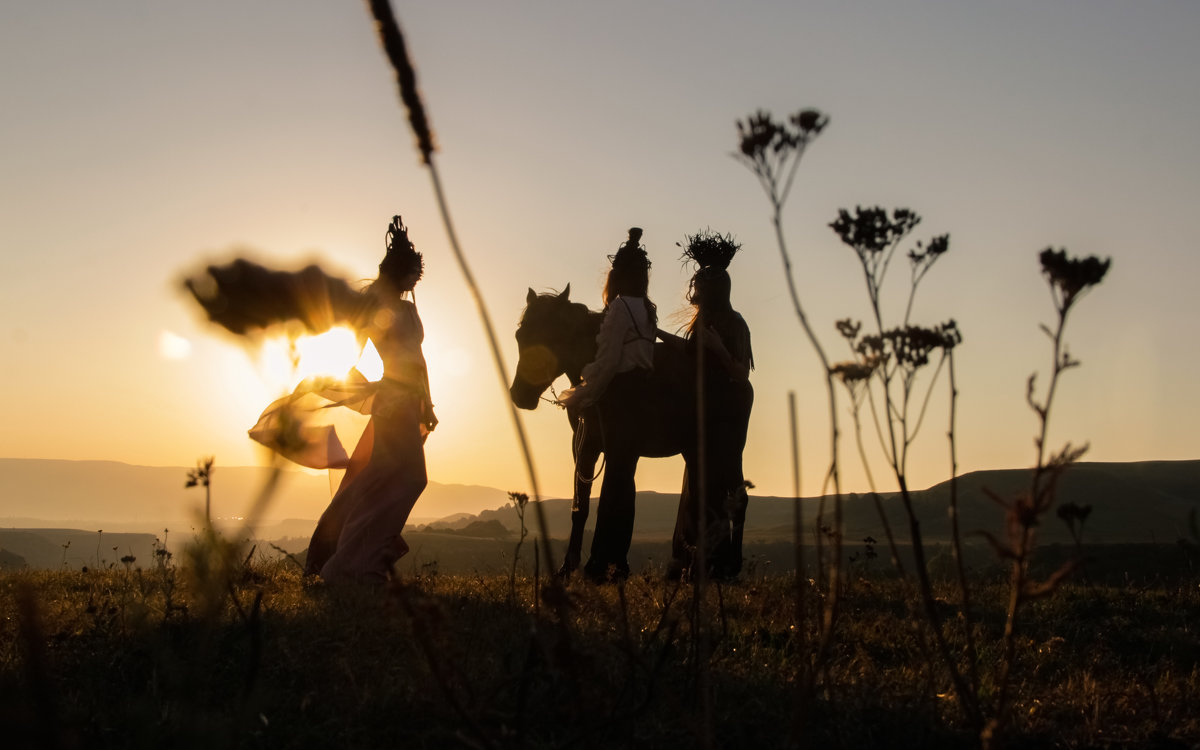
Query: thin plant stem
[[898, 416], [831, 392], [893, 549], [1021, 553], [956, 534], [801, 579], [928, 394], [700, 558]]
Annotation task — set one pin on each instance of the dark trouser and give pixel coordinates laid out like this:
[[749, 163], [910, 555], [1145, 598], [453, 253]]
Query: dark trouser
[[621, 409], [727, 419]]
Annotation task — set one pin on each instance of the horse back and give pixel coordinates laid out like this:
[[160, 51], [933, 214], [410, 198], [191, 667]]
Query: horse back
[[670, 405]]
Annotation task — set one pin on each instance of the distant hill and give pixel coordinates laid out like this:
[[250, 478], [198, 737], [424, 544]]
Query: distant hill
[[75, 548], [1141, 502], [1132, 503], [118, 496]]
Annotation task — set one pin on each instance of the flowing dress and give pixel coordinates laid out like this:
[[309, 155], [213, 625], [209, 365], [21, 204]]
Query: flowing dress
[[358, 535]]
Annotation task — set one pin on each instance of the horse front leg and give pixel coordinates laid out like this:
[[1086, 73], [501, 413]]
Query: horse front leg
[[585, 469]]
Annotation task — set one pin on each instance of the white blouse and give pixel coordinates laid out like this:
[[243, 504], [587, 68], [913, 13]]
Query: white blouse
[[625, 342]]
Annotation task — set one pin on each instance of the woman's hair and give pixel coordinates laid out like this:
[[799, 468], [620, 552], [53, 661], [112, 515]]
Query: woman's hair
[[709, 288], [709, 294], [401, 261], [630, 274]]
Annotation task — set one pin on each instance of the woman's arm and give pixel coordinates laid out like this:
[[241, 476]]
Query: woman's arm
[[609, 342], [712, 342], [670, 338]]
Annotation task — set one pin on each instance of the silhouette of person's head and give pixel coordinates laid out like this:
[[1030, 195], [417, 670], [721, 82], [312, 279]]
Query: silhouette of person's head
[[709, 288], [630, 272], [402, 266]]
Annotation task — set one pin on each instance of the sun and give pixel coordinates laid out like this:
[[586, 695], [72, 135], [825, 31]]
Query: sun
[[331, 354]]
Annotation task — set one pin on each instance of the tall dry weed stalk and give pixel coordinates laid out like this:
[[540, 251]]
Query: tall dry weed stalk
[[1068, 279], [520, 502], [392, 40], [885, 375], [772, 149], [884, 380]]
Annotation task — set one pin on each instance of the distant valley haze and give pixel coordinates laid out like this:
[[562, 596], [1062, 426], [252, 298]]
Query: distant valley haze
[[1143, 502], [119, 496]]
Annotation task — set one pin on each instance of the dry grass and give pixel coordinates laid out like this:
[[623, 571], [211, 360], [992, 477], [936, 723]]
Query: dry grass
[[127, 659]]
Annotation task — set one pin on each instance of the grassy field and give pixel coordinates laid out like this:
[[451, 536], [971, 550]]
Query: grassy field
[[163, 658]]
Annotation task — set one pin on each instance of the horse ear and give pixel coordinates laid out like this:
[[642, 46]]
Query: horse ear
[[566, 292], [529, 298]]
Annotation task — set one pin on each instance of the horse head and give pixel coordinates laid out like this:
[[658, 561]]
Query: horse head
[[552, 339]]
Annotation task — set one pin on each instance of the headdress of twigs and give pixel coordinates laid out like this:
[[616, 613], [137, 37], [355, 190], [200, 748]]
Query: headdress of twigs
[[631, 255], [401, 260], [710, 251]]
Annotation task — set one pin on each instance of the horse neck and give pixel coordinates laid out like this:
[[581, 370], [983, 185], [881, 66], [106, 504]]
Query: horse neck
[[581, 348]]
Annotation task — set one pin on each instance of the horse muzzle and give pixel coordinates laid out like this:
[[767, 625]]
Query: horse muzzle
[[523, 394]]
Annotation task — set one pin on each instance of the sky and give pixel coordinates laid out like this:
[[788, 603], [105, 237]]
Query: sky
[[142, 140]]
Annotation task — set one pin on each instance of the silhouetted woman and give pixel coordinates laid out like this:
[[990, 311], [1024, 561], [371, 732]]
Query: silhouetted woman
[[358, 536], [617, 383], [728, 398]]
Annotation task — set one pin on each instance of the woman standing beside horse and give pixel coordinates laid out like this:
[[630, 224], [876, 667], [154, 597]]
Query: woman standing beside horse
[[722, 334], [617, 382]]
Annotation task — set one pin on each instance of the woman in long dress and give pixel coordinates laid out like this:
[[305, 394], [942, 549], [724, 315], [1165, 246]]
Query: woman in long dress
[[358, 536], [728, 397]]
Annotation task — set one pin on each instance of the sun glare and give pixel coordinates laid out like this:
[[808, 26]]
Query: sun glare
[[330, 354]]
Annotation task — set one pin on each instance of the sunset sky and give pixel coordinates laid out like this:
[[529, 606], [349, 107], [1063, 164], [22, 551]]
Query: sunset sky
[[143, 139]]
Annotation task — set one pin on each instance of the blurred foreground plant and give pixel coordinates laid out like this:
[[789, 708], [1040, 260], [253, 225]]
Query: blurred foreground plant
[[1068, 280], [884, 375], [772, 149]]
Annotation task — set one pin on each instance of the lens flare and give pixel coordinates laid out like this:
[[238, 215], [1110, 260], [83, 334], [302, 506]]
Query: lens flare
[[332, 353]]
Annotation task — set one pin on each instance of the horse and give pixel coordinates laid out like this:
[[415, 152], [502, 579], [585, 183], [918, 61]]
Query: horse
[[557, 337]]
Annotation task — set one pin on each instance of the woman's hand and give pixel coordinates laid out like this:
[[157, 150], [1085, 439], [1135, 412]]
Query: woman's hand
[[711, 340]]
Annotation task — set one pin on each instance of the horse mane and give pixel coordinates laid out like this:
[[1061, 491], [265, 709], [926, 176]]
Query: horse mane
[[553, 297]]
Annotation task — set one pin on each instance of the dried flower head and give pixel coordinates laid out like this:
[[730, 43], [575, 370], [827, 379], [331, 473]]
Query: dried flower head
[[927, 255], [848, 328], [1069, 277], [810, 121], [871, 230], [760, 134], [244, 297], [853, 372]]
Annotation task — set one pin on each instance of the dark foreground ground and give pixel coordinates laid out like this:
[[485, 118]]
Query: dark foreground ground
[[237, 656]]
